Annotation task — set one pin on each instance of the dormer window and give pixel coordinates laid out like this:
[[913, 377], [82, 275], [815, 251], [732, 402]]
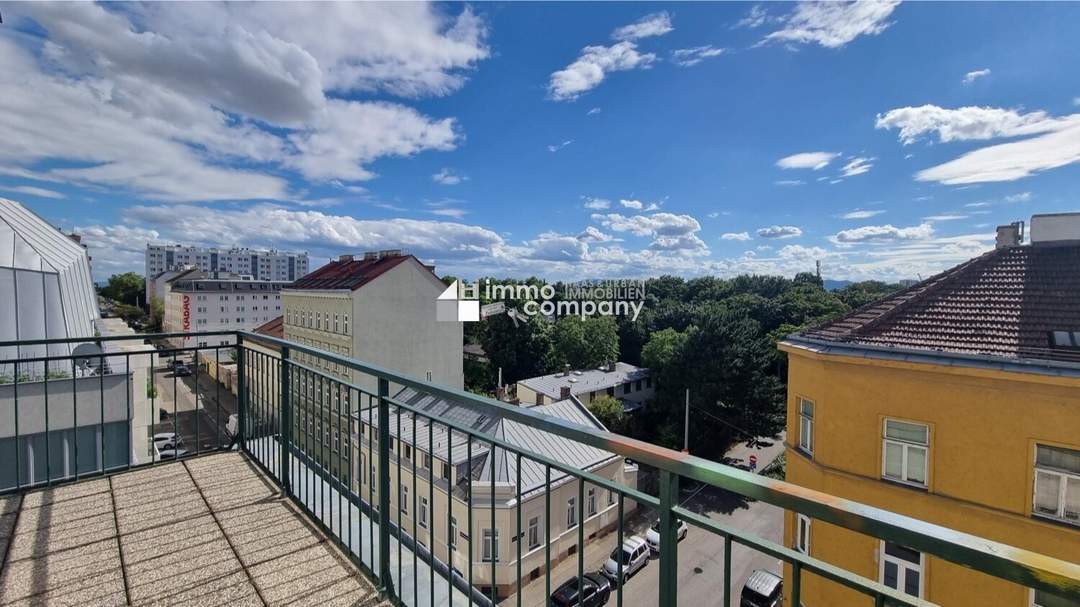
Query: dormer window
[[1065, 339]]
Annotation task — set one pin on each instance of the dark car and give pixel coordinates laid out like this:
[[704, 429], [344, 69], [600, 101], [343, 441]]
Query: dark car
[[181, 370], [762, 589], [597, 591]]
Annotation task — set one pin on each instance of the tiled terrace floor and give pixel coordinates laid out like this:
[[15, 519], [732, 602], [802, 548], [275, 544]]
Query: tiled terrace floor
[[206, 531]]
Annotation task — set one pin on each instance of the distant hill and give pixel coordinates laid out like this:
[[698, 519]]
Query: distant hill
[[832, 285]]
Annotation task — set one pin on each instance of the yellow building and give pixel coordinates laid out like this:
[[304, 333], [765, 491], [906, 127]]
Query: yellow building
[[955, 401]]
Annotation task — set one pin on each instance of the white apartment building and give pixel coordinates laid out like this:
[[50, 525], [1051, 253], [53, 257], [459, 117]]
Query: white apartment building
[[379, 309], [199, 305], [630, 384], [260, 264]]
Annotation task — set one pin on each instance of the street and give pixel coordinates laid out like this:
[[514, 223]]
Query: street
[[198, 423], [701, 554]]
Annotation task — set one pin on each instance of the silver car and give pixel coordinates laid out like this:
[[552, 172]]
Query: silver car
[[652, 536], [634, 554]]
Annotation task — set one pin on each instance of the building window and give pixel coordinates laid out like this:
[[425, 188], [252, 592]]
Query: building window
[[345, 321], [611, 497], [806, 425], [1057, 483], [592, 501], [490, 546], [408, 451], [453, 532], [534, 532], [1045, 599], [446, 472], [403, 499], [423, 512], [427, 461], [571, 513], [802, 533], [901, 568], [626, 389], [905, 451]]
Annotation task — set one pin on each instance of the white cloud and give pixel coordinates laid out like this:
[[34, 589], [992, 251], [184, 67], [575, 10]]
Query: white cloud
[[687, 57], [857, 166], [975, 75], [449, 212], [184, 102], [882, 234], [594, 64], [807, 160], [592, 234], [945, 217], [656, 24], [757, 17], [790, 182], [1049, 142], [596, 204], [740, 236], [637, 205], [34, 191], [558, 146], [670, 232], [976, 205], [592, 112], [1021, 197], [780, 232], [448, 177], [833, 24], [862, 214]]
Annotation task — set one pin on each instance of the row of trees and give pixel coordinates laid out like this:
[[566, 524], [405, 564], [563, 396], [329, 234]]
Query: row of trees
[[712, 336]]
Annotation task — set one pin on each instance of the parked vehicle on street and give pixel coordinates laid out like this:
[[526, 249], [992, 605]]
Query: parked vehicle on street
[[167, 440], [634, 554], [762, 589], [652, 536], [181, 370], [171, 453], [596, 590]]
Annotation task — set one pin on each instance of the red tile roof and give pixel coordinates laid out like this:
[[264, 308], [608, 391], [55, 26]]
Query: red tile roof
[[274, 328], [1003, 303], [351, 274]]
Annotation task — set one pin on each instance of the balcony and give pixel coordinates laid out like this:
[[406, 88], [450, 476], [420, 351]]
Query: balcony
[[303, 476]]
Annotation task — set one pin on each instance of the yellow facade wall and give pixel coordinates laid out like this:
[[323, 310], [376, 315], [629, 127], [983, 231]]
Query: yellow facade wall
[[984, 425]]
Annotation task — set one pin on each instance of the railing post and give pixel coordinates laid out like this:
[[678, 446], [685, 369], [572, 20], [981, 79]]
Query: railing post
[[285, 422], [241, 394], [386, 584], [669, 547]]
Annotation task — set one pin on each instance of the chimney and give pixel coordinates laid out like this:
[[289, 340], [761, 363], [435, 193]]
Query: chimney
[[345, 258], [1055, 229], [564, 392], [1009, 235], [566, 370]]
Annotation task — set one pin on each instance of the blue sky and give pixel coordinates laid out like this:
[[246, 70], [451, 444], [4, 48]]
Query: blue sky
[[563, 140]]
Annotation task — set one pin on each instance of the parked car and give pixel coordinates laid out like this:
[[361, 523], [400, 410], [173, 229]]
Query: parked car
[[166, 440], [171, 453], [596, 590], [634, 554], [181, 370], [652, 536], [762, 589]]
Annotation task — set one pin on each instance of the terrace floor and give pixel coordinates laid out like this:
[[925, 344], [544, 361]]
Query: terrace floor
[[211, 530]]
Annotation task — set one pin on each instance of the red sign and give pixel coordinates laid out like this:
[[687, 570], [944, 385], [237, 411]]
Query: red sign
[[187, 313]]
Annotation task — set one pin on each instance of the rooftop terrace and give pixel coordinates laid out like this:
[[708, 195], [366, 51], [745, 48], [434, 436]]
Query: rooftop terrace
[[206, 531]]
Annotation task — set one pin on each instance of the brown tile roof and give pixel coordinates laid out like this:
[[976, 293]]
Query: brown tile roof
[[351, 274], [274, 328], [1003, 303]]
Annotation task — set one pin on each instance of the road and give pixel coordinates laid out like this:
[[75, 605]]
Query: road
[[701, 554], [197, 423]]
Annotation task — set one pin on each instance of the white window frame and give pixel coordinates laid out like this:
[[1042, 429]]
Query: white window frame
[[571, 513], [403, 498], [1064, 476], [802, 541], [591, 501], [905, 448], [452, 540], [423, 512], [806, 425], [902, 566], [533, 534], [489, 545]]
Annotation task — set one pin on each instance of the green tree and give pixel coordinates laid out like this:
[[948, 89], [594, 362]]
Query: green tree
[[609, 410], [520, 350], [583, 343], [157, 314], [857, 295], [126, 288]]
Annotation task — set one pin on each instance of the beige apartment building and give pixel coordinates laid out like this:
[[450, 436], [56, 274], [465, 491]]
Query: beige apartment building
[[628, 383], [446, 459]]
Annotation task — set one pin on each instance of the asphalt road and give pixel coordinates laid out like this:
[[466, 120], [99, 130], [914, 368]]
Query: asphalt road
[[701, 554], [196, 420]]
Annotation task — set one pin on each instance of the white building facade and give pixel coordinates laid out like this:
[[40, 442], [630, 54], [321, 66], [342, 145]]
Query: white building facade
[[260, 264], [208, 304]]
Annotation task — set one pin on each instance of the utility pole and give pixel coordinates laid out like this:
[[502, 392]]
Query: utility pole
[[686, 424]]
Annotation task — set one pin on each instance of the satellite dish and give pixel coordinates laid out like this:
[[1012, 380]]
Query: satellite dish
[[87, 358]]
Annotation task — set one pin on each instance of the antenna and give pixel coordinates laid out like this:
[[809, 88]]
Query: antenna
[[818, 264]]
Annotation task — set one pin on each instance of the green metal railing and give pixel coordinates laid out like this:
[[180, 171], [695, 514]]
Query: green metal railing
[[327, 428]]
